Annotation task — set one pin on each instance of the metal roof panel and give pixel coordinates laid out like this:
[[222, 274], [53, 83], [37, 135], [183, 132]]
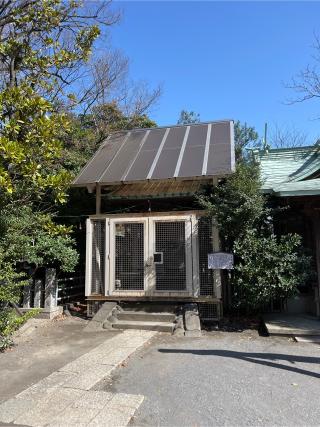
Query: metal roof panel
[[187, 151]]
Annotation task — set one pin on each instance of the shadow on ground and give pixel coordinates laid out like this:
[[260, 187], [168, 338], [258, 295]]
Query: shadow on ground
[[258, 358]]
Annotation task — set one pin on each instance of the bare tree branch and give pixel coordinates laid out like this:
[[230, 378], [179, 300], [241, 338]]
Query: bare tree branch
[[306, 84], [287, 137]]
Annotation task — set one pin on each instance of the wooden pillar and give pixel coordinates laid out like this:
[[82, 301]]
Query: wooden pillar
[[217, 281], [98, 199]]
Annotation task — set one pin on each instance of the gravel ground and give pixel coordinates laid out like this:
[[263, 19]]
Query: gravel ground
[[234, 379]]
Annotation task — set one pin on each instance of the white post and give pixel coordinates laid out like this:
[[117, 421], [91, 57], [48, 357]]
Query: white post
[[88, 257], [216, 248], [50, 289], [195, 256]]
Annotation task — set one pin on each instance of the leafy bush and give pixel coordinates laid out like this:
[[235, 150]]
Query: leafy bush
[[27, 238], [266, 266], [11, 284]]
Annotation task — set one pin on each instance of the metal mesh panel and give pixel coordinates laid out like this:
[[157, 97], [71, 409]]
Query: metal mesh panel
[[170, 241], [98, 256], [129, 262], [93, 307], [205, 247], [209, 311]]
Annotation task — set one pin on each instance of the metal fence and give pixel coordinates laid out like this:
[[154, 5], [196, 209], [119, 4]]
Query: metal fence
[[70, 289]]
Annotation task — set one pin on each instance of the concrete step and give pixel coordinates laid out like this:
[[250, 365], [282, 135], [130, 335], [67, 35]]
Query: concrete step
[[142, 316], [147, 326]]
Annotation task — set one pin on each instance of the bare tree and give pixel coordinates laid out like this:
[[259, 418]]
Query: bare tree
[[107, 81], [287, 137], [139, 98], [306, 84]]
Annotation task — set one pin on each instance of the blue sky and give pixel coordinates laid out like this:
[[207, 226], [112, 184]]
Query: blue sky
[[223, 59]]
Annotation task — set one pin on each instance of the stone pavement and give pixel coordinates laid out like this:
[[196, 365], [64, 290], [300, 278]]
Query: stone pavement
[[292, 324], [64, 398]]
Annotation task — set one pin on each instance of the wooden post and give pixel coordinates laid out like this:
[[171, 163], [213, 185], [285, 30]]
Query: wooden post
[[98, 199], [216, 248]]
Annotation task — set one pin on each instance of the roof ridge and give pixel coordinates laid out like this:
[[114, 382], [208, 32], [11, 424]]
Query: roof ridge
[[175, 126]]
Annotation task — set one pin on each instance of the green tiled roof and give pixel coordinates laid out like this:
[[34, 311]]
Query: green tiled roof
[[291, 171]]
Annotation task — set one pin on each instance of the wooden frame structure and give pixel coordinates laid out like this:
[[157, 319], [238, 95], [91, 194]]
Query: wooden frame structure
[[149, 292]]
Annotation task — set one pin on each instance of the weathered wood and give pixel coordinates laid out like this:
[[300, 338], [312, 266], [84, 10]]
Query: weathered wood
[[207, 299], [98, 199]]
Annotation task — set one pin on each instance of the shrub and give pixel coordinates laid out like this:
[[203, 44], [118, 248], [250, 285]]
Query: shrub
[[266, 266]]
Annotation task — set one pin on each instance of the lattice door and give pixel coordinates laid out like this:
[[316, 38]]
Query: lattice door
[[170, 255], [129, 259]]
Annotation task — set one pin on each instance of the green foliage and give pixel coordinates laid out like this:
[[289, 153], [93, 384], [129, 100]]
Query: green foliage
[[30, 146], [266, 266], [42, 45], [88, 132], [244, 136], [9, 323], [27, 238], [33, 238], [11, 283], [188, 117], [43, 41], [236, 203]]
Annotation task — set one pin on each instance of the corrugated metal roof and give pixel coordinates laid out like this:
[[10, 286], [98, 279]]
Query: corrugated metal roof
[[290, 171], [197, 150]]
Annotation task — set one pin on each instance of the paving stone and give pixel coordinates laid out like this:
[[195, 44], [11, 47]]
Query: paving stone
[[63, 398], [93, 399], [126, 400], [86, 380], [46, 385], [117, 356], [45, 410], [113, 416], [109, 345], [12, 409], [74, 417], [79, 366]]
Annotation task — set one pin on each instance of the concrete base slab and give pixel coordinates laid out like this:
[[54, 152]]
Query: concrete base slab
[[292, 325]]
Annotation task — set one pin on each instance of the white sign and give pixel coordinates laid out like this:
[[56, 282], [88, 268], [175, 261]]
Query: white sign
[[220, 261]]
